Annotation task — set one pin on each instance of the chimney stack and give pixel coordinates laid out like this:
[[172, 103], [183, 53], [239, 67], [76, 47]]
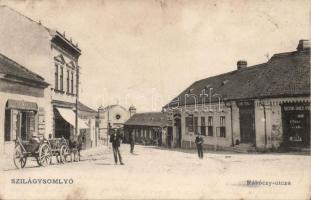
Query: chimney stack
[[241, 64], [303, 45]]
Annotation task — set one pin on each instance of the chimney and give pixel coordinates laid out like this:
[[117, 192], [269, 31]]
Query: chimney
[[241, 64], [303, 45]]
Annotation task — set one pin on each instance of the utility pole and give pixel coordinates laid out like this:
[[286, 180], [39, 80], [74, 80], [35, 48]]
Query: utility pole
[[77, 100]]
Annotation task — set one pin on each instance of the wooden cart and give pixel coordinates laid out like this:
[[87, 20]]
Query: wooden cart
[[60, 149], [35, 147]]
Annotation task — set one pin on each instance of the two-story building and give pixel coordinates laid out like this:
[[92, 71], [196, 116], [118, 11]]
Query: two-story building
[[51, 55], [265, 106]]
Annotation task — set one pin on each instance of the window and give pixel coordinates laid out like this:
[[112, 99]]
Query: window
[[72, 82], [61, 79], [56, 77], [210, 126], [7, 124], [68, 82], [189, 123], [222, 126], [195, 125], [203, 128]]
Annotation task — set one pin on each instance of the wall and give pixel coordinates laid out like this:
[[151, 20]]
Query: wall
[[115, 123], [273, 119], [8, 147], [209, 141], [91, 118]]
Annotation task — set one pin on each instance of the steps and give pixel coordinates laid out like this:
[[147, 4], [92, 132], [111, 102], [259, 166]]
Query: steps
[[244, 148]]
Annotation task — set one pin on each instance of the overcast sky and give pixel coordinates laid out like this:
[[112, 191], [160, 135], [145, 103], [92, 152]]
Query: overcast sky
[[145, 52]]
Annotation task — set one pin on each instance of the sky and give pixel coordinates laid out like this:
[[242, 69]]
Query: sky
[[145, 52]]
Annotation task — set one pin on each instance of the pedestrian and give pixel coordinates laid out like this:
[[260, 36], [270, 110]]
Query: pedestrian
[[132, 142], [199, 142], [115, 140]]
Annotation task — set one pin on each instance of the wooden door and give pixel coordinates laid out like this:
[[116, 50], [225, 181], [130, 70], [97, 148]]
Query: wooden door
[[247, 124]]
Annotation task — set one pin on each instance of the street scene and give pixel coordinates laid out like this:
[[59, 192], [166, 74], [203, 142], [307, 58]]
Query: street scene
[[152, 173], [155, 99]]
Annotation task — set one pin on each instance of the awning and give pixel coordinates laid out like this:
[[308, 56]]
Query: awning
[[70, 117], [21, 105]]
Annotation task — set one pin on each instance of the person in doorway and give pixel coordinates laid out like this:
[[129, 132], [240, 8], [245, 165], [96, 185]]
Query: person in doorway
[[199, 142], [115, 140], [132, 142]]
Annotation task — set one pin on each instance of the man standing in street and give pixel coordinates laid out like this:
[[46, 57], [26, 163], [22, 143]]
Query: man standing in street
[[132, 142], [199, 142], [115, 140]]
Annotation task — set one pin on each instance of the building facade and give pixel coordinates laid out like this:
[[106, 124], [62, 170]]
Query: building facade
[[112, 117], [52, 56], [88, 132], [266, 106], [146, 128], [21, 104]]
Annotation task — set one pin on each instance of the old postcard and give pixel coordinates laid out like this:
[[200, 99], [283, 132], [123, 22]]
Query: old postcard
[[155, 99]]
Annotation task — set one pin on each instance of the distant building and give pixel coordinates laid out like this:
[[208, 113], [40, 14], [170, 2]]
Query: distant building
[[22, 104], [265, 106], [147, 128], [112, 117], [54, 57], [88, 132]]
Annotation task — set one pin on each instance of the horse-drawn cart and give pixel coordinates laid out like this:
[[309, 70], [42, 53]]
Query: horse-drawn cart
[[35, 147], [42, 149], [60, 149]]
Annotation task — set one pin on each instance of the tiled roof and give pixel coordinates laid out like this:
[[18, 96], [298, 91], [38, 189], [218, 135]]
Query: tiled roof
[[10, 68], [83, 107], [147, 119], [284, 75]]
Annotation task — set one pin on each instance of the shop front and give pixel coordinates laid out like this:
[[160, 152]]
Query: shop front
[[20, 121], [296, 124]]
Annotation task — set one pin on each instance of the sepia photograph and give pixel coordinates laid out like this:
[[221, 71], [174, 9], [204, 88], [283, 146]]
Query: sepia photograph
[[155, 99]]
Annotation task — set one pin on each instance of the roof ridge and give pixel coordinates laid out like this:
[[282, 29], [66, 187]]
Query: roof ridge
[[30, 19], [21, 67]]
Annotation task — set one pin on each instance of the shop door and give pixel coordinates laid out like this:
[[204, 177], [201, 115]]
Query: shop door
[[247, 124]]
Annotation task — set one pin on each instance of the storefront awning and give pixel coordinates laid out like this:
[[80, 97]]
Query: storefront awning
[[70, 117], [21, 105]]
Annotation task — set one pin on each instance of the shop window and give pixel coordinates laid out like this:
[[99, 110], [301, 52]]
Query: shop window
[[210, 126], [222, 126], [189, 123], [195, 125], [203, 127]]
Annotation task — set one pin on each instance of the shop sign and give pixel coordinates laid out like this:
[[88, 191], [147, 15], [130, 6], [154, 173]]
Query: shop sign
[[296, 107]]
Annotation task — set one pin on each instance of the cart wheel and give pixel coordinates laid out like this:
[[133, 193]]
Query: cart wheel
[[64, 154], [44, 155], [19, 158]]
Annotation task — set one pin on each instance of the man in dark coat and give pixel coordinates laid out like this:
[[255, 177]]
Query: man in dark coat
[[199, 142], [115, 140], [132, 141]]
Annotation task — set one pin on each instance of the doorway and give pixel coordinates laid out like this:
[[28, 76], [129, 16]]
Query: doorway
[[178, 132], [247, 124], [169, 136]]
